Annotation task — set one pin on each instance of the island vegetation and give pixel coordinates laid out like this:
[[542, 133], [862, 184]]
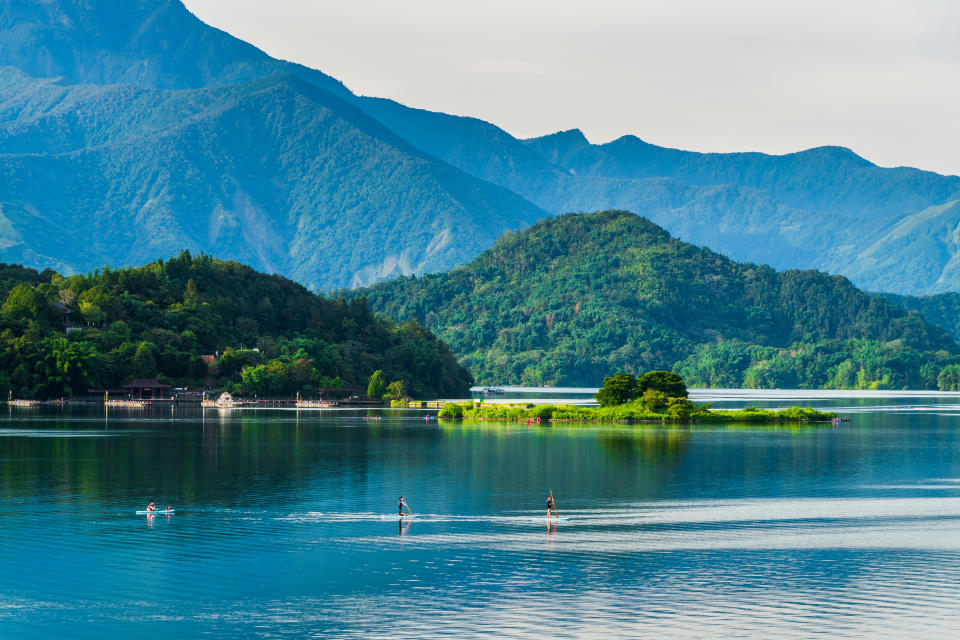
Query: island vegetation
[[574, 297], [200, 321], [656, 396]]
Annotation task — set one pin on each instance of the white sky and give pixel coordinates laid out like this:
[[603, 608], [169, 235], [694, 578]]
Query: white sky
[[879, 76]]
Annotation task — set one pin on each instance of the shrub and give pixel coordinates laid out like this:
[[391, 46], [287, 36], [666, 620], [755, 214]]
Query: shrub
[[655, 400], [452, 411], [543, 412], [680, 408]]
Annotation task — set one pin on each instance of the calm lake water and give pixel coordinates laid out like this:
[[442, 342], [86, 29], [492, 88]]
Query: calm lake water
[[706, 531]]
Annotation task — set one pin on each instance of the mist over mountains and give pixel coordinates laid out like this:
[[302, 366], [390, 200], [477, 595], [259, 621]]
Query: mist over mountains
[[130, 129]]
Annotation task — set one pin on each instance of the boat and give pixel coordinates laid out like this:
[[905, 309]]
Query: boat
[[226, 399], [489, 391], [144, 512], [315, 404]]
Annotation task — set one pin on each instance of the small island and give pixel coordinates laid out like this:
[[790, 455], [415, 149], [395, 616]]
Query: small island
[[656, 396]]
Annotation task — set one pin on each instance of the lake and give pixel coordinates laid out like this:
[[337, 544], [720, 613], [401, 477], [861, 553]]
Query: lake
[[284, 529]]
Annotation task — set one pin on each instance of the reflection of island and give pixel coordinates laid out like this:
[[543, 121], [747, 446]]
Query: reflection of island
[[644, 446]]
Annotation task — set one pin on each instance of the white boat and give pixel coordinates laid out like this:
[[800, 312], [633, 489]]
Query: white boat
[[225, 400]]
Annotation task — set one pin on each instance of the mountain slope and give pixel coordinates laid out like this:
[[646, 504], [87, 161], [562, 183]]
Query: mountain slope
[[150, 43], [577, 297], [277, 173], [920, 253], [820, 208], [811, 209]]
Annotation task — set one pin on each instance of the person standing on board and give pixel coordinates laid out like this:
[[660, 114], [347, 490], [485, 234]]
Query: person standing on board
[[401, 504], [550, 506]]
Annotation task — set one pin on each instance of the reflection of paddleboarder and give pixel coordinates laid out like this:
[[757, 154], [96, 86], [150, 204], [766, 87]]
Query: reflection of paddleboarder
[[401, 504]]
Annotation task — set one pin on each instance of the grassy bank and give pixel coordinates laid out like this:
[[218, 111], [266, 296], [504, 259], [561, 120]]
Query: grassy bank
[[630, 412]]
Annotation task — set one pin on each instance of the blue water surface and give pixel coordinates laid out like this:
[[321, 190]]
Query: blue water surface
[[284, 526]]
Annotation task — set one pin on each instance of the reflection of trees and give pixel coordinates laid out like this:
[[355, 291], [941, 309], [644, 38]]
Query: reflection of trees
[[644, 445], [182, 454]]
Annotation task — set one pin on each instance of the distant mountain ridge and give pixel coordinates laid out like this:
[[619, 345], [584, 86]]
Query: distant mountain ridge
[[438, 198], [274, 172]]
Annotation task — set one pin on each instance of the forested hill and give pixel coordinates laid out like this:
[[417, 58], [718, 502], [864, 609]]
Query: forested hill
[[157, 320], [942, 309], [577, 297]]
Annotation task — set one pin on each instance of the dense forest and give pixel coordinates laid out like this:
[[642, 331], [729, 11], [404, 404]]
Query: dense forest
[[942, 309], [574, 298], [61, 336]]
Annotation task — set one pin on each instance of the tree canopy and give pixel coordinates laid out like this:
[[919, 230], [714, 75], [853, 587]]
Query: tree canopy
[[273, 336]]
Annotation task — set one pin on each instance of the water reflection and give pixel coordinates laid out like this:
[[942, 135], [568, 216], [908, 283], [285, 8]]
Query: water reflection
[[283, 526]]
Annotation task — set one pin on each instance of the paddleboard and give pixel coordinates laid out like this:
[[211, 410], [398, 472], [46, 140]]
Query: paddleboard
[[145, 513], [396, 516]]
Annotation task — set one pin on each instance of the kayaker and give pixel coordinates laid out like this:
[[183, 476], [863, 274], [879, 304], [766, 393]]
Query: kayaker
[[150, 507], [401, 504]]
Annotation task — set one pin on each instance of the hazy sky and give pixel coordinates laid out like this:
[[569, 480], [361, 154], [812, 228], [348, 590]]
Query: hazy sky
[[879, 76]]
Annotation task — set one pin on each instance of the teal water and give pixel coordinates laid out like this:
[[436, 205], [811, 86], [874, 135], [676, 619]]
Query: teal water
[[674, 532]]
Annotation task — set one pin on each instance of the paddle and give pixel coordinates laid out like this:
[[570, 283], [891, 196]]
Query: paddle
[[555, 514]]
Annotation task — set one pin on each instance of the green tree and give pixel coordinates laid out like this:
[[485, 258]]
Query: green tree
[[617, 389], [666, 381], [92, 313], [144, 361], [25, 302], [191, 297], [66, 368], [377, 385], [396, 390], [949, 378]]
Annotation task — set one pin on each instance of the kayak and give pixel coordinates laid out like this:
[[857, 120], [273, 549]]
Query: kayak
[[542, 519], [146, 513]]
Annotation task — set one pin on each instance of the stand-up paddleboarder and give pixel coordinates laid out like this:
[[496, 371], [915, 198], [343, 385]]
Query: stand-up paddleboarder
[[401, 503], [551, 506]]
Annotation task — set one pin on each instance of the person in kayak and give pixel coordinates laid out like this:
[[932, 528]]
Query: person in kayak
[[150, 507], [401, 504], [550, 506]]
